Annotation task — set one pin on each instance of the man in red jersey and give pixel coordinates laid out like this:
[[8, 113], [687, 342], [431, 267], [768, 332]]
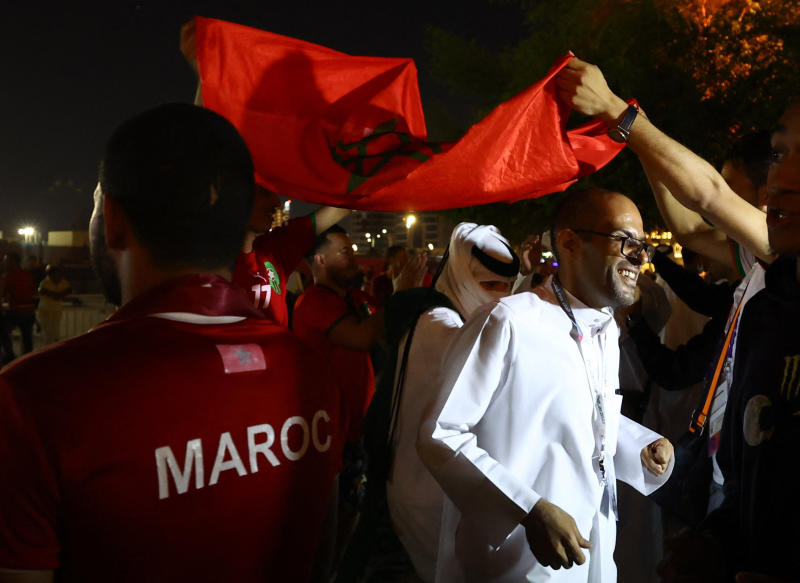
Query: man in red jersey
[[268, 256], [339, 321], [336, 320], [19, 290], [188, 438]]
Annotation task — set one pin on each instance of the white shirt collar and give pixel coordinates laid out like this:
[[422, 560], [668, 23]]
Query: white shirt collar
[[588, 318], [190, 318]]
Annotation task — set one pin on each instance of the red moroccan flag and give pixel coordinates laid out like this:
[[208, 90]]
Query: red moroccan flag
[[348, 131]]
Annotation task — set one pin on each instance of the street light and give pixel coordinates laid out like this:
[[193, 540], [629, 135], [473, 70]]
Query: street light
[[28, 234], [410, 220]]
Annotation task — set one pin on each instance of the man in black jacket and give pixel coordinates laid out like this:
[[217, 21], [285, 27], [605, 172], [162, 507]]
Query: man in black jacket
[[762, 422]]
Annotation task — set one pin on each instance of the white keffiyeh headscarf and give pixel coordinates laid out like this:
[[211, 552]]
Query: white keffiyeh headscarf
[[477, 253]]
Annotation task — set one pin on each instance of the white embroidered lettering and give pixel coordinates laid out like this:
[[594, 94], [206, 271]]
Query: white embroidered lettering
[[165, 458], [321, 447], [228, 458], [257, 289], [226, 445], [263, 448], [287, 451]]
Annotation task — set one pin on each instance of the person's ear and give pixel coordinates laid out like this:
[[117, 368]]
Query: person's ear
[[117, 229], [319, 260], [569, 243]]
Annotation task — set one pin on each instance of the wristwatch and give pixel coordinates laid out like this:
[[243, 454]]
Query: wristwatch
[[621, 132]]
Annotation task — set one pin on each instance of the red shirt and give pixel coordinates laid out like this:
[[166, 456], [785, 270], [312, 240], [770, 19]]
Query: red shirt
[[151, 449], [263, 272], [20, 291], [316, 312]]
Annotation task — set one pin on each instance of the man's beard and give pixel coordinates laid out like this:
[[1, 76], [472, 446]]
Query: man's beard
[[621, 294], [351, 282], [102, 261]]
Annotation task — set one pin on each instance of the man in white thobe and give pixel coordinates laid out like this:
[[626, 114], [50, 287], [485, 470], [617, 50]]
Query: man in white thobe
[[480, 268], [530, 442]]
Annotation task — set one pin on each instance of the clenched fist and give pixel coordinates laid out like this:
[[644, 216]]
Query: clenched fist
[[656, 456], [553, 536]]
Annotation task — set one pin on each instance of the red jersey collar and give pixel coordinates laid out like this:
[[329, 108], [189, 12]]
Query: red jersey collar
[[199, 293]]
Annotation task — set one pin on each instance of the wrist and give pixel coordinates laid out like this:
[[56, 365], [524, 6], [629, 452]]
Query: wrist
[[535, 514], [614, 111]]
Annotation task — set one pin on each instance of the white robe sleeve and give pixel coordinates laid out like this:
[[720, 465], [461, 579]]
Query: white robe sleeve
[[631, 439], [475, 368]]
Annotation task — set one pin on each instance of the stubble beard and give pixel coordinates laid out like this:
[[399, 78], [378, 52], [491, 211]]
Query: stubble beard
[[621, 294], [347, 282], [102, 262]]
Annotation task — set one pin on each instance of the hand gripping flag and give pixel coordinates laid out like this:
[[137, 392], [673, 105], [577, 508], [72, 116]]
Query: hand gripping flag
[[335, 129]]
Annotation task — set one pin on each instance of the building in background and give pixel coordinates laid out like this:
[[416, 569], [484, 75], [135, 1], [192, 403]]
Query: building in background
[[374, 232], [67, 247], [70, 251]]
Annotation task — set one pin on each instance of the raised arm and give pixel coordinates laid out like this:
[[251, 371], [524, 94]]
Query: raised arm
[[692, 180], [189, 49], [687, 226], [327, 216]]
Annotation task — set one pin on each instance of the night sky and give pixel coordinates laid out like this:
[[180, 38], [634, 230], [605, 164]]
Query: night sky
[[72, 71]]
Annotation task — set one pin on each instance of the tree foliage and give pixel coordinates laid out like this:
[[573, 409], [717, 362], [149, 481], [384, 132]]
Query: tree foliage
[[706, 72]]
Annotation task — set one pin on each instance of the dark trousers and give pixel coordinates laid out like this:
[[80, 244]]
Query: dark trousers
[[5, 340], [24, 321]]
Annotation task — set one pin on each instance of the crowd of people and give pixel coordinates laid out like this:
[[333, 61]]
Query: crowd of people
[[471, 426], [34, 297]]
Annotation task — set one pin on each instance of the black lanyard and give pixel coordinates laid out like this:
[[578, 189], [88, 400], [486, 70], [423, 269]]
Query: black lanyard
[[564, 303], [561, 296]]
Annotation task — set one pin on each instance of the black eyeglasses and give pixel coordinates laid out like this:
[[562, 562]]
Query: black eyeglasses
[[630, 247]]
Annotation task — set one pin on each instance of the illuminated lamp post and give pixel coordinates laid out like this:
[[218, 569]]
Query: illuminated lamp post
[[29, 234], [410, 220]]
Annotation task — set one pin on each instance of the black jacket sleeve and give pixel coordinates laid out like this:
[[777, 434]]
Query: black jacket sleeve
[[702, 297], [683, 367]]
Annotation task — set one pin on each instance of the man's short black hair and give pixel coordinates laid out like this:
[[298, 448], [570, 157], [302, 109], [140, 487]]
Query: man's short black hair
[[184, 179], [573, 210], [751, 155], [322, 240]]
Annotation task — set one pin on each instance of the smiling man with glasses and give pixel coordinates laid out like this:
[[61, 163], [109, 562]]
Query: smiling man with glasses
[[759, 429], [530, 443]]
